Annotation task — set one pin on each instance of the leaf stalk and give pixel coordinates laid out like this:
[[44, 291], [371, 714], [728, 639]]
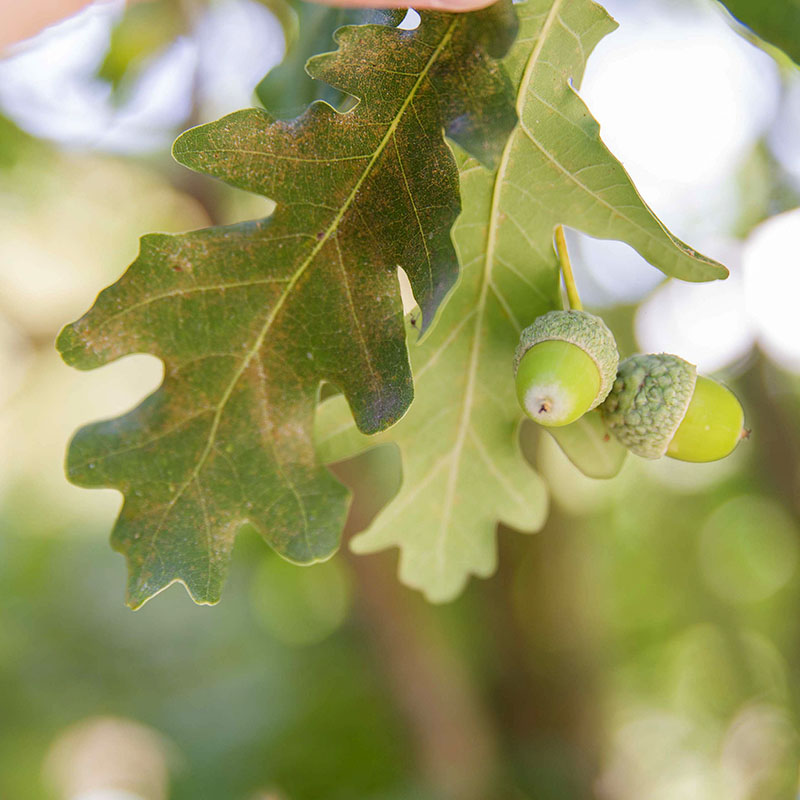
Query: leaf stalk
[[573, 297]]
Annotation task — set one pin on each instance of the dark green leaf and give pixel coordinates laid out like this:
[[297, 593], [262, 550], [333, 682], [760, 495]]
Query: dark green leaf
[[775, 21], [249, 319]]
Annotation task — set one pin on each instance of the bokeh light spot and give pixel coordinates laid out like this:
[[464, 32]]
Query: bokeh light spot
[[748, 549], [772, 286], [300, 605]]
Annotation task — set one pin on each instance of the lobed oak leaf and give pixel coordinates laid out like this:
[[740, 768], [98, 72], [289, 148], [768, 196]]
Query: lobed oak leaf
[[249, 319]]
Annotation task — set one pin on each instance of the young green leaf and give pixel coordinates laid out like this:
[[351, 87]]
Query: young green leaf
[[250, 318], [462, 465], [590, 447]]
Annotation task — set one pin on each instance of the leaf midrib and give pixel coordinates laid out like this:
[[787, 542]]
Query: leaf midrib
[[488, 262]]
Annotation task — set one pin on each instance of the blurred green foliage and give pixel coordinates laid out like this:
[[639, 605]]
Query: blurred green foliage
[[645, 644], [141, 32]]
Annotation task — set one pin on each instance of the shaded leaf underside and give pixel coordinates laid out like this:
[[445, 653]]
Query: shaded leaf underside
[[590, 447], [249, 319], [774, 21], [462, 465]]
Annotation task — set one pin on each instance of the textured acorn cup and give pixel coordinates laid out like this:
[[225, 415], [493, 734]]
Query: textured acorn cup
[[565, 365], [659, 406]]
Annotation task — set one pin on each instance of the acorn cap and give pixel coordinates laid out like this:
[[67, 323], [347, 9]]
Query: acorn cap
[[584, 330], [648, 401]]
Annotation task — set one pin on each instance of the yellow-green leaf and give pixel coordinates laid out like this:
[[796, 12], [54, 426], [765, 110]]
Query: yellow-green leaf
[[590, 447], [462, 466]]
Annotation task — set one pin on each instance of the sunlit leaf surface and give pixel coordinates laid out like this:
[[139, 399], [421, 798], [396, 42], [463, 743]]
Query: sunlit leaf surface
[[463, 469]]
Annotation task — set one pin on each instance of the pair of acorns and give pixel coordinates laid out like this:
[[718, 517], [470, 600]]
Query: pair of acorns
[[567, 364]]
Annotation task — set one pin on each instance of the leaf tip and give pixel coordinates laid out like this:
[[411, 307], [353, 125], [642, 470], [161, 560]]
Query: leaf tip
[[378, 411], [140, 593], [301, 552], [359, 544], [712, 271], [443, 590], [182, 146], [70, 346]]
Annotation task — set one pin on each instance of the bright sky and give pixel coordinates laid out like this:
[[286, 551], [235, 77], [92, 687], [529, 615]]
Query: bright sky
[[48, 86]]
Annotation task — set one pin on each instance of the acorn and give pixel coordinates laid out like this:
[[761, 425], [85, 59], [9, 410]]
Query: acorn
[[565, 365], [660, 406]]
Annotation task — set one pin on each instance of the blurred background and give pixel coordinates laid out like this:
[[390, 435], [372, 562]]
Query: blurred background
[[645, 644]]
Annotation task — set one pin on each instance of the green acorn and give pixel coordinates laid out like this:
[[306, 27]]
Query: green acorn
[[660, 406], [565, 365]]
